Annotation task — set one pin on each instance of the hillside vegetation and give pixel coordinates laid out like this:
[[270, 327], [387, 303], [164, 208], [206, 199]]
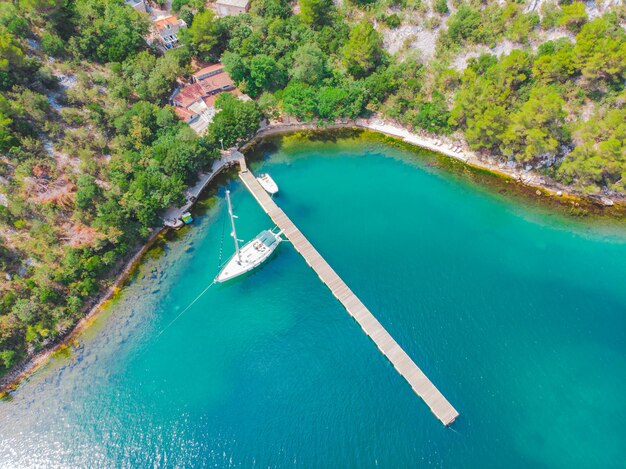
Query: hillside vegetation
[[91, 154]]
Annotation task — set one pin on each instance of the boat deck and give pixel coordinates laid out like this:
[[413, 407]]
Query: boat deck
[[403, 364]]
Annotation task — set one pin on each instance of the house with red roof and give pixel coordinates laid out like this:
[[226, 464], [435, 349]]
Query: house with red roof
[[195, 102], [166, 31]]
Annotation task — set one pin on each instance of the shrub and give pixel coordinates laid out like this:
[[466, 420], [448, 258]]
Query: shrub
[[441, 7], [393, 21], [52, 44], [574, 16]]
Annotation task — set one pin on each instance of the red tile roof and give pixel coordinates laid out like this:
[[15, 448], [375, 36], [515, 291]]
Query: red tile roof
[[184, 113], [189, 94], [208, 69], [216, 82], [163, 22]]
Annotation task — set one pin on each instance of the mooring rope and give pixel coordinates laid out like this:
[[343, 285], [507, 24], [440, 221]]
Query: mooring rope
[[185, 310]]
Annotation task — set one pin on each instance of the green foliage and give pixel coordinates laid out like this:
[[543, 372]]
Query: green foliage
[[108, 30], [600, 51], [573, 16], [271, 8], [265, 75], [363, 52], [87, 192], [327, 103], [441, 7], [522, 27], [194, 4], [151, 78], [433, 115], [52, 44], [11, 55], [202, 36], [236, 121], [599, 159], [309, 64], [536, 129], [466, 25], [393, 20], [236, 67], [550, 15], [300, 100], [7, 359], [317, 13]]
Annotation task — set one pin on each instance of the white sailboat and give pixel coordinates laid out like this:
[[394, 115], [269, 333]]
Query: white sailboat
[[252, 254], [268, 183]]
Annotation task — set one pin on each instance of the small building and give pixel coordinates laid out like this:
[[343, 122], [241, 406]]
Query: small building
[[207, 72], [195, 102], [166, 31], [231, 7]]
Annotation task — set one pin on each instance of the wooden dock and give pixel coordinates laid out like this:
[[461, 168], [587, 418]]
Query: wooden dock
[[422, 386]]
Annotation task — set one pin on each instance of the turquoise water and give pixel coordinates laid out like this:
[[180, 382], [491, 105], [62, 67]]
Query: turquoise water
[[516, 314]]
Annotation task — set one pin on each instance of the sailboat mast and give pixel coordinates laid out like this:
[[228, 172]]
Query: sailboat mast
[[232, 222]]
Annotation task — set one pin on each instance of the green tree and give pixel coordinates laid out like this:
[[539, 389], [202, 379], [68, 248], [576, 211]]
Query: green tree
[[441, 7], [87, 192], [180, 154], [109, 30], [309, 64], [236, 67], [7, 359], [537, 128], [271, 8], [364, 52], [11, 55], [236, 121], [300, 100], [265, 75], [317, 13], [599, 159], [202, 36], [433, 115], [573, 16], [600, 51], [52, 44], [332, 103]]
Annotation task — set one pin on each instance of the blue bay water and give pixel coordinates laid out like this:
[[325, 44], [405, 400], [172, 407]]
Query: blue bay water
[[517, 315]]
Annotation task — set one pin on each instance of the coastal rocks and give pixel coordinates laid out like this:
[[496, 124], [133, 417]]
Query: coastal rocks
[[531, 179], [606, 201]]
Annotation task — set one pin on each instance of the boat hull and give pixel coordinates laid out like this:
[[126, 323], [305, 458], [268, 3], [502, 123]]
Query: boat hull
[[251, 255], [268, 184]]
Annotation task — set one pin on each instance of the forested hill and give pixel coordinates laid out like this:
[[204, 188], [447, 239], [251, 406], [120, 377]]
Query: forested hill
[[91, 154]]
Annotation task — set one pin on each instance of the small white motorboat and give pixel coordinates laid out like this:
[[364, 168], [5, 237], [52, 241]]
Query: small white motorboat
[[268, 184], [251, 255]]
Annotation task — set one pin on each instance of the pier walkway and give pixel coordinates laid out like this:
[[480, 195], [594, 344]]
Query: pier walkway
[[172, 217], [420, 383]]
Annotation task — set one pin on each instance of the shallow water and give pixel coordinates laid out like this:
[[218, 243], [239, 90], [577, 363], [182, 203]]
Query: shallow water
[[515, 313]]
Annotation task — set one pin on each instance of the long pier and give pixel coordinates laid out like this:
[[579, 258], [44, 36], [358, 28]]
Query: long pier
[[403, 364]]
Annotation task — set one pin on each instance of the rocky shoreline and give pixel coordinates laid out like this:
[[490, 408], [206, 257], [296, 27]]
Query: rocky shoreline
[[32, 363], [443, 146]]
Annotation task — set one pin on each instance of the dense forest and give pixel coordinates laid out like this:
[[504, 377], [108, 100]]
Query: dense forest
[[91, 153]]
